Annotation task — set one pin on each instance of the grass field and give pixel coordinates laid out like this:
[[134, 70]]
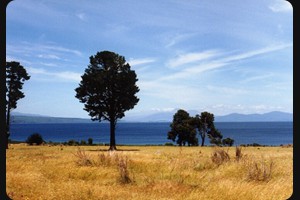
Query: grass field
[[148, 172]]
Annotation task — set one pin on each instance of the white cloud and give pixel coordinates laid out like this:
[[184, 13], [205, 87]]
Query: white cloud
[[49, 51], [66, 75], [49, 64], [173, 40], [228, 91], [281, 6], [191, 58], [60, 49], [81, 16], [55, 76], [49, 56], [259, 77], [140, 61], [256, 52], [163, 109], [211, 63], [32, 70]]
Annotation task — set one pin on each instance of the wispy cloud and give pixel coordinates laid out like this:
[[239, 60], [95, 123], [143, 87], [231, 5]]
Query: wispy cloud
[[59, 49], [193, 70], [49, 51], [227, 90], [259, 77], [173, 40], [55, 76], [209, 62], [140, 61], [49, 56], [256, 52], [81, 16], [281, 6], [191, 58]]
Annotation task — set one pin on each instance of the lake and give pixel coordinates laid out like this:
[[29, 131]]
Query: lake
[[264, 133]]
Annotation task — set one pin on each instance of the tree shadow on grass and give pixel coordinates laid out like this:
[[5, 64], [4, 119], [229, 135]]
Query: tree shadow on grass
[[115, 150]]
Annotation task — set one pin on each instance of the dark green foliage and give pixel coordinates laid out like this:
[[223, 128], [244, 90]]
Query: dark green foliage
[[185, 128], [72, 143], [215, 136], [182, 129], [227, 142], [205, 126], [35, 138], [82, 142], [108, 89], [16, 75], [90, 141], [169, 144]]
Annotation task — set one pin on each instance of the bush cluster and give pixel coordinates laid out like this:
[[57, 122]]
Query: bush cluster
[[35, 138]]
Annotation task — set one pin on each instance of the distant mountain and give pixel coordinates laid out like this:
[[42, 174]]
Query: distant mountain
[[234, 117], [21, 118], [271, 116]]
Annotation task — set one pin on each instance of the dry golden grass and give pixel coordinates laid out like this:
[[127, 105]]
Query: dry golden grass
[[144, 172]]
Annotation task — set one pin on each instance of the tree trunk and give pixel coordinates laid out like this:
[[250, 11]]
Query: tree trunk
[[112, 136], [203, 138], [7, 125]]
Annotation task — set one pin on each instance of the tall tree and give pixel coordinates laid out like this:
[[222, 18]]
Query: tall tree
[[205, 125], [183, 129], [107, 89], [16, 75], [215, 136]]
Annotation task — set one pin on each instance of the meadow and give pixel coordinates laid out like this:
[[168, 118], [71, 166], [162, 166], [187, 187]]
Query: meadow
[[148, 172]]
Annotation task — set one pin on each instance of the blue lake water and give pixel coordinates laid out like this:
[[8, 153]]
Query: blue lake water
[[265, 133]]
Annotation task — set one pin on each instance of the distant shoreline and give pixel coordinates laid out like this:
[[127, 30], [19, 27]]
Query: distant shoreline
[[106, 144]]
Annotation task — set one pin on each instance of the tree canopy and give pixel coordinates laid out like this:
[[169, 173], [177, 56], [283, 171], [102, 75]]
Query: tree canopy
[[108, 89], [182, 129], [205, 125], [16, 75]]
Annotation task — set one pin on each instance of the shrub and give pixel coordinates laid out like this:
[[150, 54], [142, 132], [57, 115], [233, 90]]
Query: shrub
[[90, 141], [72, 142], [260, 170], [220, 156], [123, 170], [82, 158], [169, 144], [255, 145], [238, 153], [82, 142], [227, 142], [105, 160], [35, 138]]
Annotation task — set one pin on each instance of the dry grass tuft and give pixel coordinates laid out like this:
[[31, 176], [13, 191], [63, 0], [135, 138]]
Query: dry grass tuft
[[105, 159], [260, 170], [82, 158], [123, 170], [220, 156], [42, 172], [238, 153]]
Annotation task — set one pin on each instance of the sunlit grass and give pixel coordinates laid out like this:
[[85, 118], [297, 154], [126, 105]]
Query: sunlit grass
[[148, 172]]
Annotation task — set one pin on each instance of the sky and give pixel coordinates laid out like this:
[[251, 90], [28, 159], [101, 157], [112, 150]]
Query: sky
[[217, 56]]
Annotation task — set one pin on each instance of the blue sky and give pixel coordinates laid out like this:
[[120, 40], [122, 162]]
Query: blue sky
[[208, 55]]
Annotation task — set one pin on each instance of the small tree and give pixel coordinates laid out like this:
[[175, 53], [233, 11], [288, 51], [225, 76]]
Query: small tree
[[16, 75], [108, 89], [35, 138], [90, 141], [206, 127], [227, 142], [183, 129], [215, 136]]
